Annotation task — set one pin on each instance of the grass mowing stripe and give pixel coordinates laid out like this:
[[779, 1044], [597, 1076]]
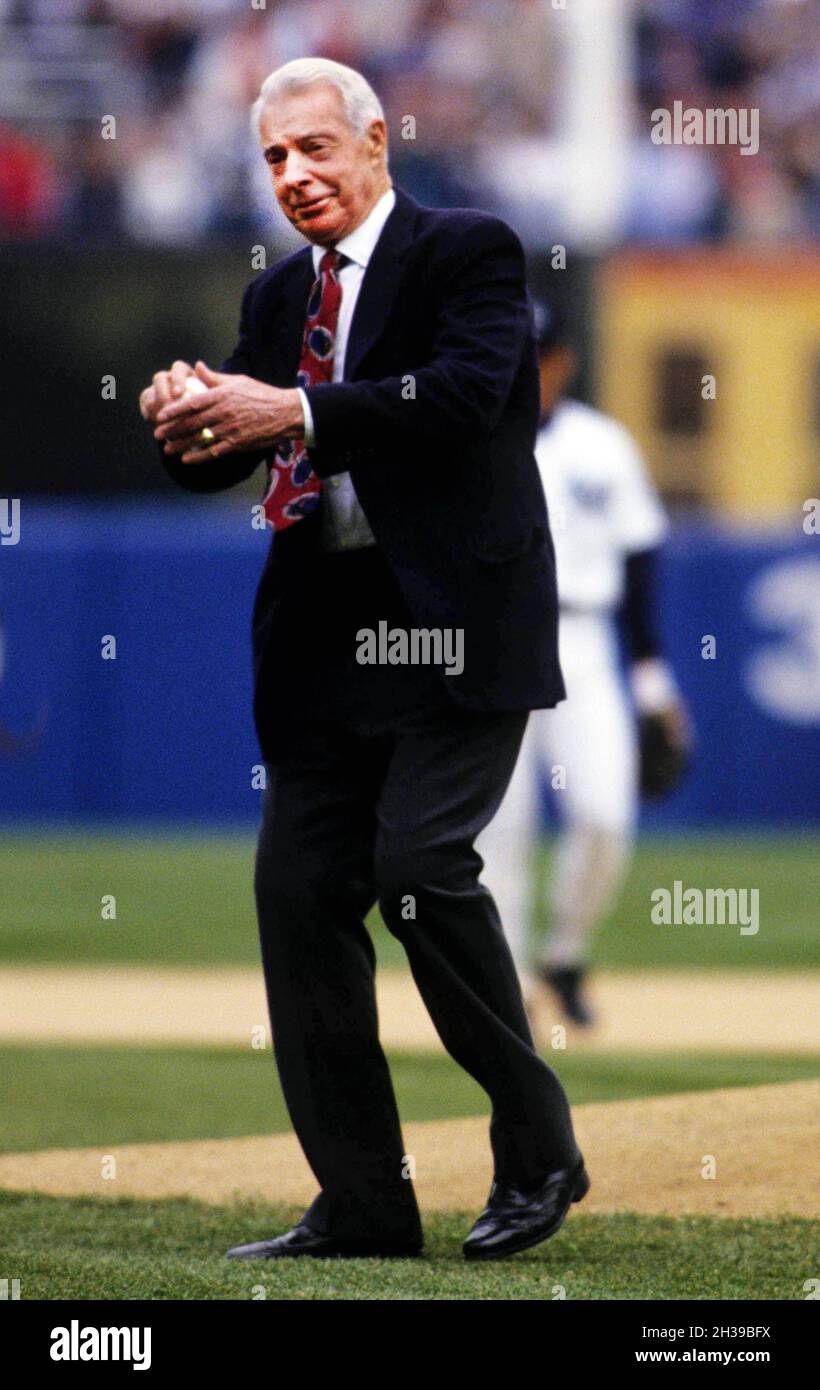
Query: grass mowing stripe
[[187, 898], [76, 1097], [83, 1248]]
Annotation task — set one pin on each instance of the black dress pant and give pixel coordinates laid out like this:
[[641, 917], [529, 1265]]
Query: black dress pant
[[378, 798]]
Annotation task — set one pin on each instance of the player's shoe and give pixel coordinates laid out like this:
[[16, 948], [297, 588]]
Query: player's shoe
[[567, 983]]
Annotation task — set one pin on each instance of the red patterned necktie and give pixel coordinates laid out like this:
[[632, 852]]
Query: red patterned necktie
[[294, 487]]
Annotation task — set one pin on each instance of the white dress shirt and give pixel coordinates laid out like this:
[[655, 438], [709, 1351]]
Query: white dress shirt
[[344, 523]]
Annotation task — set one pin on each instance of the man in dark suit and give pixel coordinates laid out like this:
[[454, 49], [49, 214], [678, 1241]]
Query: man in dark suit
[[387, 376]]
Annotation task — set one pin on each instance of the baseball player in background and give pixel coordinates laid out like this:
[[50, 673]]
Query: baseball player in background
[[594, 753]]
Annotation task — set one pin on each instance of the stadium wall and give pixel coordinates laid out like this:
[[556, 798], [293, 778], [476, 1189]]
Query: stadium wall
[[159, 729]]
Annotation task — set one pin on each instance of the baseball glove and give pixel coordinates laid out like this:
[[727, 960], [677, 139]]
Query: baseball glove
[[665, 754]]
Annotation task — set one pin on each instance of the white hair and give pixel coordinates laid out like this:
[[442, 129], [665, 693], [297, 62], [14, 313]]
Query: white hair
[[360, 102]]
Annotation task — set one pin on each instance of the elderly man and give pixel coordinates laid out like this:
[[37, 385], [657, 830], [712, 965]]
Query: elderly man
[[386, 376]]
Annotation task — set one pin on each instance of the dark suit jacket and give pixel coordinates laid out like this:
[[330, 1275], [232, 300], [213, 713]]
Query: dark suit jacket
[[447, 479]]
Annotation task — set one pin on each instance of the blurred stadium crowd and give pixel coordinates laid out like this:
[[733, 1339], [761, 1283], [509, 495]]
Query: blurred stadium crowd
[[481, 76]]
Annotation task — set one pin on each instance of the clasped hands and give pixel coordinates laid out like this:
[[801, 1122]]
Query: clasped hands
[[242, 414]]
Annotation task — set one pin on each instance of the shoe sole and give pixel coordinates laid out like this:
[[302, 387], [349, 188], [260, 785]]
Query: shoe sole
[[582, 1187]]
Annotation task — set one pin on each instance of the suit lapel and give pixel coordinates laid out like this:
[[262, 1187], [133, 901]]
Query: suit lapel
[[381, 282], [289, 322]]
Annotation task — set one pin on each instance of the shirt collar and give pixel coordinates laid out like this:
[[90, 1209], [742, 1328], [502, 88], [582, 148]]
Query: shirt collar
[[360, 244]]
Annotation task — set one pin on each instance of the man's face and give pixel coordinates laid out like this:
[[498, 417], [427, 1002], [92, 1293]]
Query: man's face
[[325, 176]]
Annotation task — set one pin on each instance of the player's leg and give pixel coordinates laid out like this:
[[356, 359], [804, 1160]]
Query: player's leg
[[507, 845], [592, 736]]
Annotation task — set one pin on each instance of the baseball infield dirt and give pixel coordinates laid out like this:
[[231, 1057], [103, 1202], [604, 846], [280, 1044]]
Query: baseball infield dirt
[[650, 1011], [750, 1151]]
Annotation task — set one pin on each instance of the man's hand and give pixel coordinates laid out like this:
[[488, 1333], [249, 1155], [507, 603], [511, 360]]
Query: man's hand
[[677, 725], [242, 413], [165, 388]]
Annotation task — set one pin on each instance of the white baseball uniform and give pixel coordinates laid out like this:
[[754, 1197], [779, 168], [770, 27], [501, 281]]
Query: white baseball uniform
[[603, 508]]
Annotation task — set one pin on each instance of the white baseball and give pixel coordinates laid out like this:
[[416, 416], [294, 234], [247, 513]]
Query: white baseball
[[194, 387]]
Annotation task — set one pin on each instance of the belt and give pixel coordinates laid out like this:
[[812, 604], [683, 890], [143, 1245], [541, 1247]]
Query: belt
[[581, 610]]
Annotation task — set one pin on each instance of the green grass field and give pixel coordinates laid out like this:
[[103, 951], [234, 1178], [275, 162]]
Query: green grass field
[[121, 1095], [187, 900], [74, 1249]]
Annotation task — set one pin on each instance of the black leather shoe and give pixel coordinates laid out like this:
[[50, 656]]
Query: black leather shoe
[[515, 1219], [303, 1240], [567, 982]]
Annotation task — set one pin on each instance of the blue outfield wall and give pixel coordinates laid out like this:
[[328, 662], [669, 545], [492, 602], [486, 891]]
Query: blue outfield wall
[[164, 731]]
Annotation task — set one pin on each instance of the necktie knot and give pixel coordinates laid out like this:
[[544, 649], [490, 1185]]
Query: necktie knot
[[329, 262]]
